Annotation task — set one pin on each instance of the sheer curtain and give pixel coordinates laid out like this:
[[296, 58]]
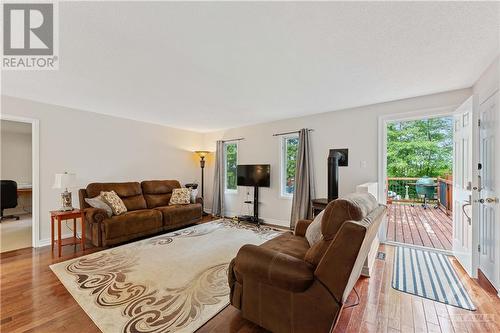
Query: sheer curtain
[[304, 180], [218, 195]]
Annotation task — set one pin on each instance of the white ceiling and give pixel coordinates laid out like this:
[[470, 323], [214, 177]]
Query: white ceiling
[[208, 66]]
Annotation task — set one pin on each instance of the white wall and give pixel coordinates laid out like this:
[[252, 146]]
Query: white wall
[[15, 141], [103, 148], [355, 129]]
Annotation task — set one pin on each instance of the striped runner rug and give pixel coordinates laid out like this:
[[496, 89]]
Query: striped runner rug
[[429, 274]]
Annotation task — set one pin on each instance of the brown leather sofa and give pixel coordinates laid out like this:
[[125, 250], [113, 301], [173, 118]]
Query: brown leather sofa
[[148, 211], [284, 285]]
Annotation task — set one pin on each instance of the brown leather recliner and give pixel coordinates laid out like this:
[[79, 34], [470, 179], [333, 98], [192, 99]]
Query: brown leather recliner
[[284, 285], [148, 211]]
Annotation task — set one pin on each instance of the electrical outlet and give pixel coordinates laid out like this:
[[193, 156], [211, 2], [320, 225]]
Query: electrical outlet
[[363, 164]]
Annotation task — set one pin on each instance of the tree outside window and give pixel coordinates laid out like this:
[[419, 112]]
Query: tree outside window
[[231, 161], [290, 145], [420, 148]]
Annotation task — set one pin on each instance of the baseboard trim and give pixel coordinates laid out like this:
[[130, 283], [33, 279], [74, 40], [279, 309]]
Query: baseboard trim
[[485, 283], [48, 241]]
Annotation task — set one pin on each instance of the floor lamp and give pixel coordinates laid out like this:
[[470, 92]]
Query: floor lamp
[[202, 154]]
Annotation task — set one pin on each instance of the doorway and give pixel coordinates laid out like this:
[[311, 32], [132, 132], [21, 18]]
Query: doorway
[[19, 174], [419, 188]]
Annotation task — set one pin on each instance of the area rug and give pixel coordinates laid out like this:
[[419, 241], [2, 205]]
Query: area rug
[[175, 282], [429, 274]]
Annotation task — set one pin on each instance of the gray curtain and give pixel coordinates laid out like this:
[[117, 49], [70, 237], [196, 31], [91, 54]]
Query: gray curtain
[[218, 195], [304, 180]]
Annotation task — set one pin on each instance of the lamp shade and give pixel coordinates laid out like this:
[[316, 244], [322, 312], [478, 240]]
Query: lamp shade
[[202, 153], [64, 180]]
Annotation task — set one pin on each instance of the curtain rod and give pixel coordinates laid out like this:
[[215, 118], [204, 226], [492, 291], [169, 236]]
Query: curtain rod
[[238, 139], [292, 132]]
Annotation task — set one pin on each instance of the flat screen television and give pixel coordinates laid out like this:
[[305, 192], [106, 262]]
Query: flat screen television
[[254, 175]]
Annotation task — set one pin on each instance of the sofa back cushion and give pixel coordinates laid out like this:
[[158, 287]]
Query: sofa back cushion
[[352, 207], [130, 193], [158, 192]]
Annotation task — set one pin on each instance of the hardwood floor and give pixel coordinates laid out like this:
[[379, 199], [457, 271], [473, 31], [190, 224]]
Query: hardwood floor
[[33, 300]]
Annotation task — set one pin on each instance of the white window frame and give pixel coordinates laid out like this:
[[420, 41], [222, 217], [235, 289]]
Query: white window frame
[[283, 162], [229, 190]]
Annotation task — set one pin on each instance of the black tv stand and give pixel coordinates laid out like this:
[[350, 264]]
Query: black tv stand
[[255, 218]]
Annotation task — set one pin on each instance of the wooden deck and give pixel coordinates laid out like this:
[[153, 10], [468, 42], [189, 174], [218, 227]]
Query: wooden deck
[[418, 226]]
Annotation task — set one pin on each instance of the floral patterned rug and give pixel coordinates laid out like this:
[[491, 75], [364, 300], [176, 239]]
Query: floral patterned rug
[[175, 282]]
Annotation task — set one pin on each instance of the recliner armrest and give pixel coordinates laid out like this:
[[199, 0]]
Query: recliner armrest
[[274, 268], [301, 227], [95, 215]]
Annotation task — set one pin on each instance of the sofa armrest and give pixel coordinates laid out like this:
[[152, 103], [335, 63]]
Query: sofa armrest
[[274, 268], [301, 227], [95, 215]]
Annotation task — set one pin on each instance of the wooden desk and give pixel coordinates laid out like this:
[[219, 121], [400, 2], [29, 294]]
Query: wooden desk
[[25, 198], [318, 205], [60, 216]]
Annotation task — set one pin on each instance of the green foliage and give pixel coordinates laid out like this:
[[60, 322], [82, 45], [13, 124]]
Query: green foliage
[[291, 148], [231, 163], [420, 148]]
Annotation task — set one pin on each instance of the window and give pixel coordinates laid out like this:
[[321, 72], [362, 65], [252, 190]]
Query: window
[[230, 161], [289, 147]]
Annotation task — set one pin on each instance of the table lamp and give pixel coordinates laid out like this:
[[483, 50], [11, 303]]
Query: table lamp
[[65, 181]]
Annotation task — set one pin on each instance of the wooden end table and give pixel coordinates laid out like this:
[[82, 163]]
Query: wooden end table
[[318, 205], [59, 216]]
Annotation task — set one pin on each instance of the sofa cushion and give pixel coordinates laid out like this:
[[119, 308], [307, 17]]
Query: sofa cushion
[[98, 202], [113, 200], [179, 214], [158, 192], [131, 223], [130, 193], [352, 207], [289, 244], [180, 196], [313, 231]]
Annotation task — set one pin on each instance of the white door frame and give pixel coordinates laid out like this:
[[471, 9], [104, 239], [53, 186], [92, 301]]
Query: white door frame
[[382, 148], [35, 170]]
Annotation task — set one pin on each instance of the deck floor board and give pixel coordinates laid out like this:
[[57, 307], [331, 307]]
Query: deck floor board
[[418, 226]]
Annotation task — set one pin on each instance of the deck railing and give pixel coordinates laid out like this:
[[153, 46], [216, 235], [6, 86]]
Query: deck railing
[[403, 189]]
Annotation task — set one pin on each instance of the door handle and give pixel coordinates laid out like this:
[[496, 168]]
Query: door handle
[[467, 203]]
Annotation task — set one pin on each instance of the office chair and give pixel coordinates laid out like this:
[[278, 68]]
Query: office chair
[[8, 198]]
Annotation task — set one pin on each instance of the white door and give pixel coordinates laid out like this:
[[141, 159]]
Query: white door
[[462, 185], [489, 185]]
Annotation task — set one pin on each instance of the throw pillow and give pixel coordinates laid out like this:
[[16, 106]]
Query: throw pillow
[[313, 231], [98, 202], [180, 196], [114, 201]]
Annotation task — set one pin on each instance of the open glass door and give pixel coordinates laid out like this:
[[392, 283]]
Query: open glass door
[[489, 212], [462, 185]]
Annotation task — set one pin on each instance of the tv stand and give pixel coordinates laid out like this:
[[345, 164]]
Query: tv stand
[[255, 218]]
